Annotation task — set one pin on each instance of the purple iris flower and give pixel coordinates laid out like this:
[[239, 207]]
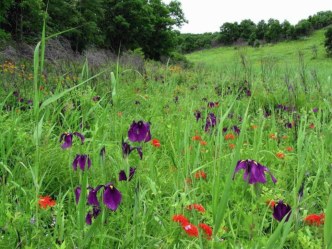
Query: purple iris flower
[[82, 161], [288, 125], [280, 210], [68, 139], [315, 110], [254, 171], [198, 115], [248, 92], [77, 194], [92, 214], [127, 149], [213, 104], [92, 196], [123, 176], [236, 129], [111, 197], [139, 132], [211, 121]]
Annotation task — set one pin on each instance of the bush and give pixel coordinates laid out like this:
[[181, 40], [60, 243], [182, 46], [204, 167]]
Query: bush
[[328, 41]]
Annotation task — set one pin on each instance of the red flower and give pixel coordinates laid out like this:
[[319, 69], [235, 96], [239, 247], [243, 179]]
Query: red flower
[[198, 207], [273, 136], [280, 155], [312, 126], [231, 146], [314, 219], [289, 148], [203, 143], [46, 201], [229, 136], [190, 229], [181, 219], [200, 174], [207, 229], [196, 138], [155, 142]]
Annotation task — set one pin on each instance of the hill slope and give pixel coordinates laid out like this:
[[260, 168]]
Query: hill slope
[[283, 53]]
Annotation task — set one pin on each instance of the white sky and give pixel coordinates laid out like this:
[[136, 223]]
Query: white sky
[[209, 15]]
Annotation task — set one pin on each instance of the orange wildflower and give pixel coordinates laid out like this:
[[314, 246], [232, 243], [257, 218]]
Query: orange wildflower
[[155, 142], [197, 138], [229, 136], [200, 174], [280, 155], [203, 143], [289, 148], [254, 127], [315, 219], [46, 201], [284, 137], [312, 126], [197, 207], [273, 136], [231, 146], [270, 203]]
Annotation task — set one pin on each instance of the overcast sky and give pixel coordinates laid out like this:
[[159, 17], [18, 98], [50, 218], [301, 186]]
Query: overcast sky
[[209, 15]]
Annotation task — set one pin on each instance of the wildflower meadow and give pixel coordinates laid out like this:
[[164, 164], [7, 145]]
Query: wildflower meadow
[[232, 156]]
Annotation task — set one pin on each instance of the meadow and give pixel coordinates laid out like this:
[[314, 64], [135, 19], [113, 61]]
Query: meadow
[[234, 152]]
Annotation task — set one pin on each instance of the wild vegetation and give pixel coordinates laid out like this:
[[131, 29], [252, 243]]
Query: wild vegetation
[[233, 152], [249, 33]]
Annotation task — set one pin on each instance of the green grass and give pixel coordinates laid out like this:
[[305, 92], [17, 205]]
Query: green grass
[[32, 162]]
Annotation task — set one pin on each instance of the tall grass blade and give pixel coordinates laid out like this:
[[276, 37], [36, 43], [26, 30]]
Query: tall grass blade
[[328, 225]]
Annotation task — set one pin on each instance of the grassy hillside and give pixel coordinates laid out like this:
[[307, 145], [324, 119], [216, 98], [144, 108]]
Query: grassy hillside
[[171, 158], [281, 54]]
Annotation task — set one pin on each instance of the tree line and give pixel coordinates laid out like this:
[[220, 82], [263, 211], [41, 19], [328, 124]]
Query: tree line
[[147, 25], [247, 32]]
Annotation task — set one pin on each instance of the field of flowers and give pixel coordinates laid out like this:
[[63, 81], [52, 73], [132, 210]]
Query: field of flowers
[[166, 158]]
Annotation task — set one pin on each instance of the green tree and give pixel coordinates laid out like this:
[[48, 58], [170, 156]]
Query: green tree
[[273, 32], [328, 41], [131, 24], [229, 32], [4, 7], [261, 30], [303, 28], [246, 29], [24, 19]]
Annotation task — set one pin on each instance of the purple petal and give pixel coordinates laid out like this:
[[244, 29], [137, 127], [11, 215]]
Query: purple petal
[[280, 210], [256, 173], [122, 176], [242, 164], [140, 152], [112, 197], [92, 196], [272, 177], [88, 218], [80, 136], [77, 194], [139, 132], [75, 162], [68, 140]]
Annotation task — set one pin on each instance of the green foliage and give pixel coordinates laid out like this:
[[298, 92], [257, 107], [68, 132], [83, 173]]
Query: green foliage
[[328, 41]]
